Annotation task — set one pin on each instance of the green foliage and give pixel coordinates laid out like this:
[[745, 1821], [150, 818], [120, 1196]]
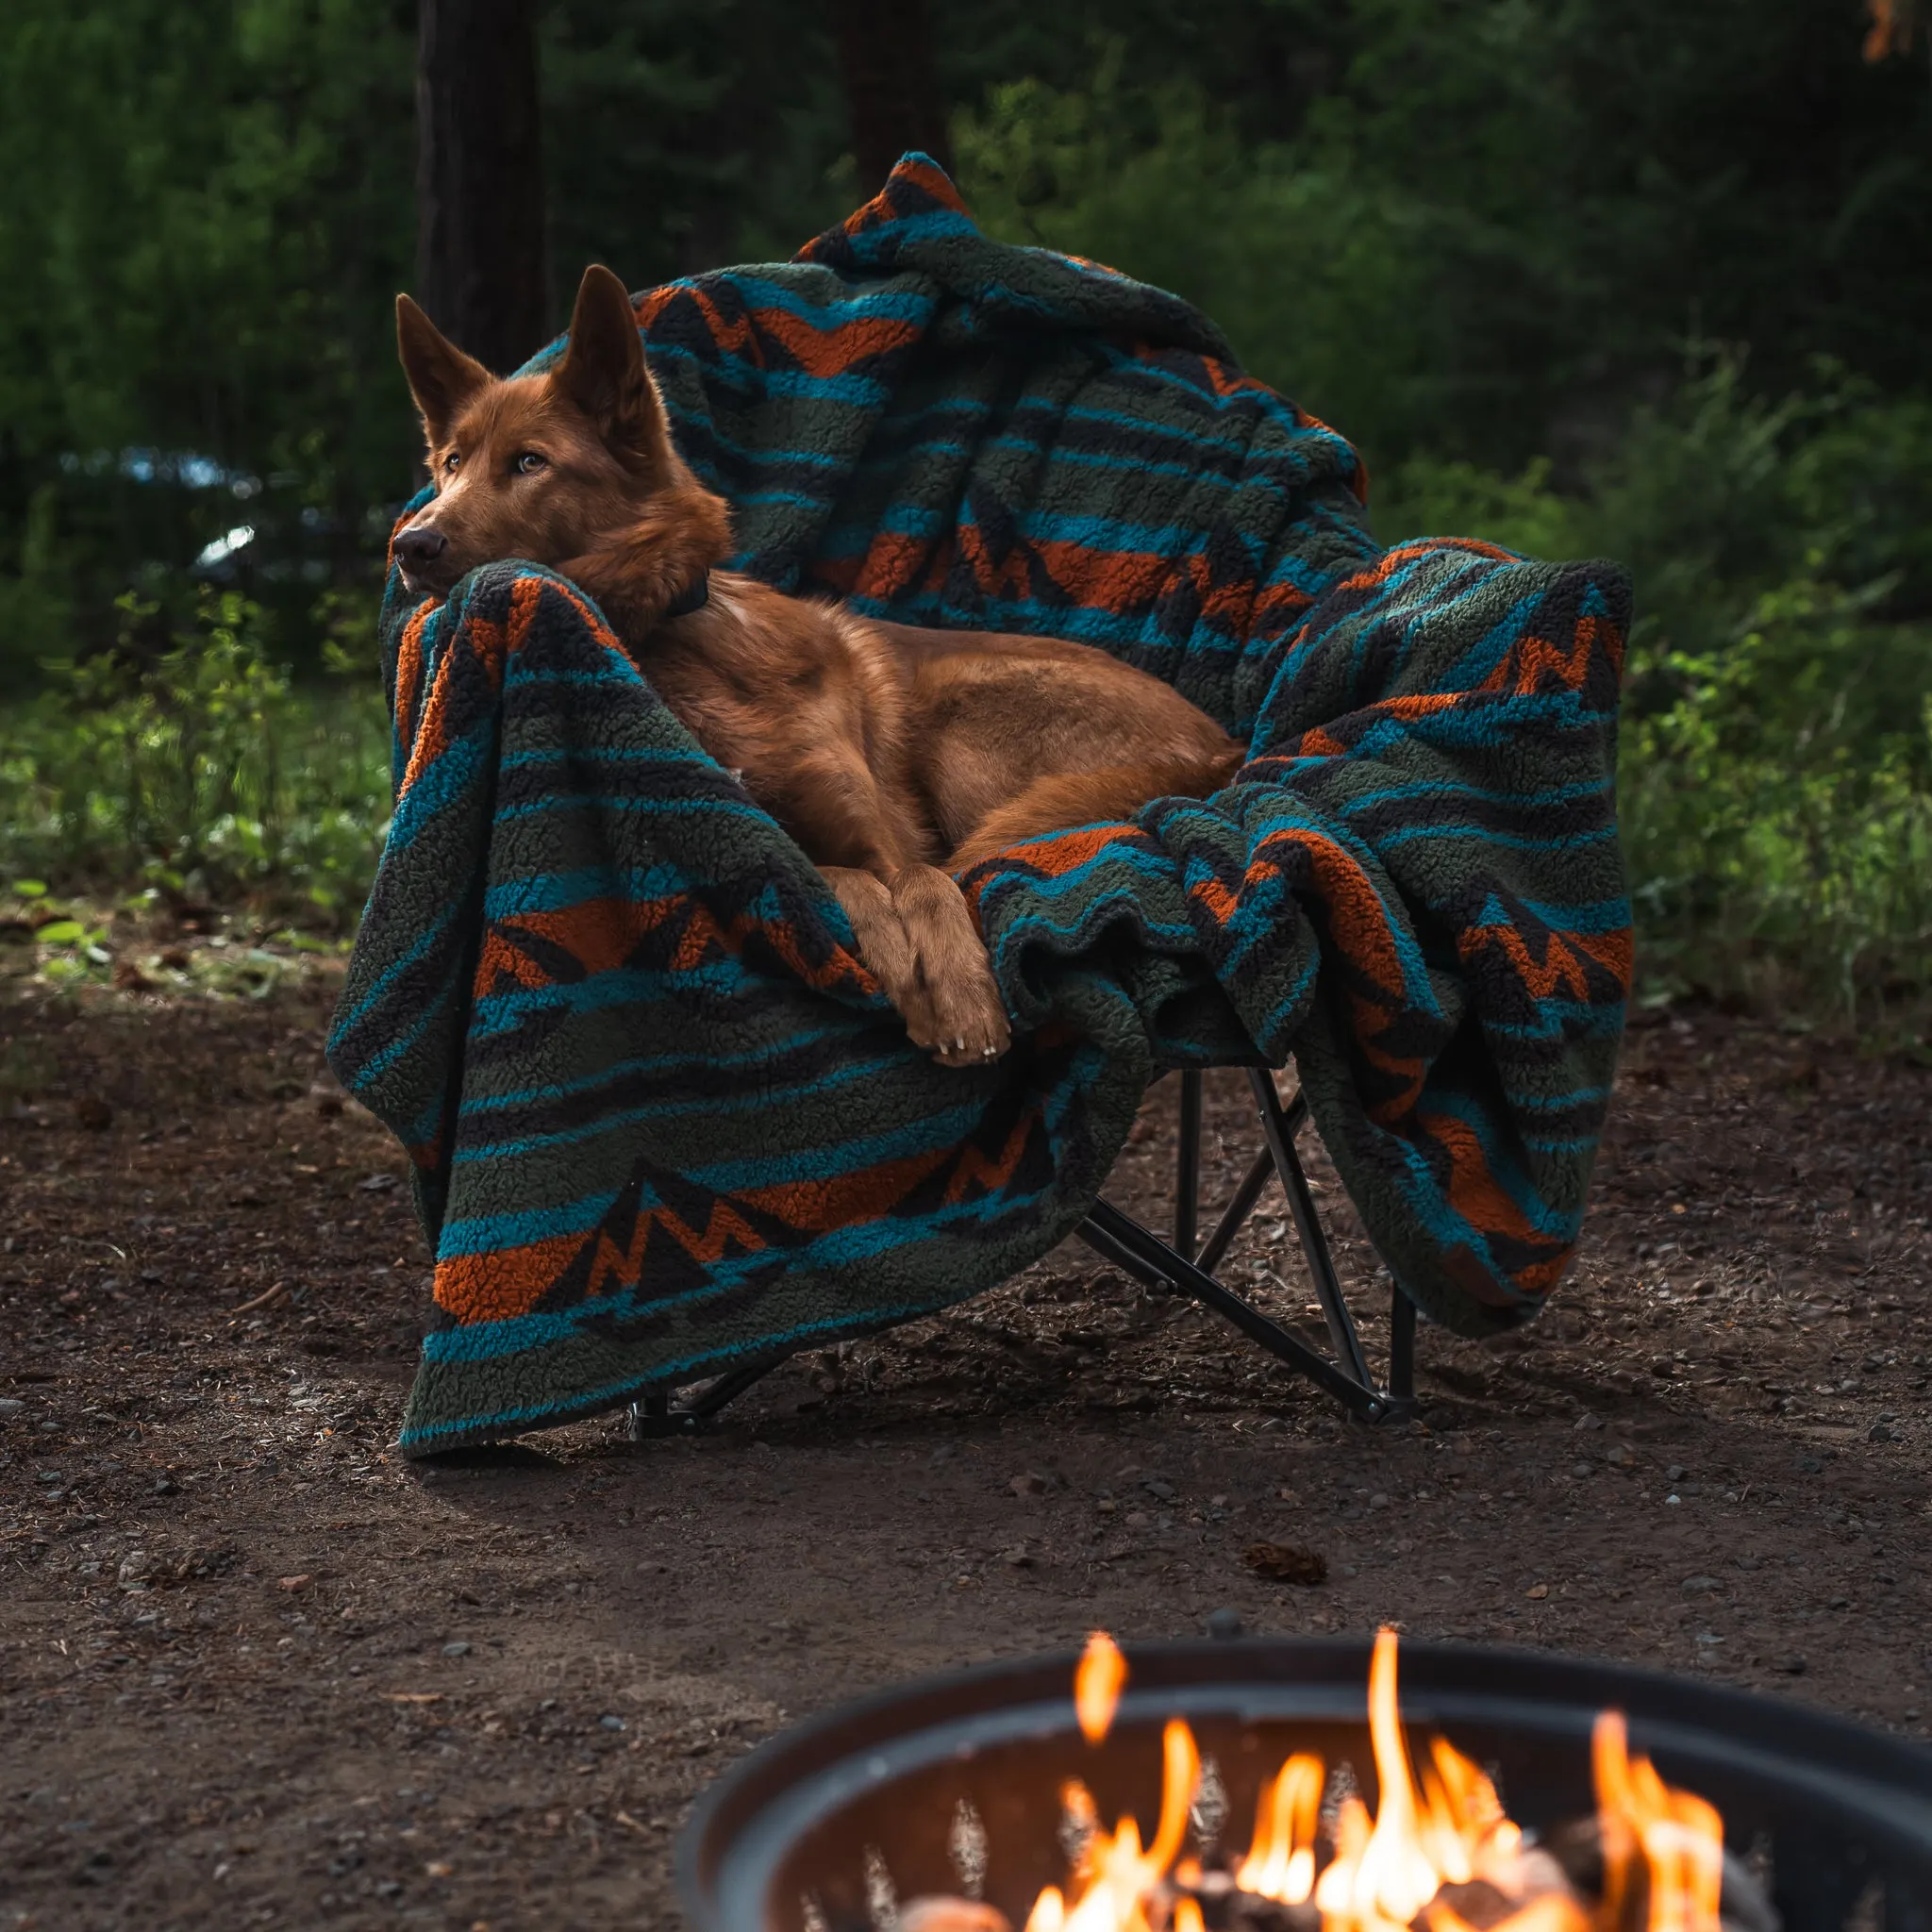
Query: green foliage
[[198, 771], [206, 216], [1485, 227], [1777, 755]]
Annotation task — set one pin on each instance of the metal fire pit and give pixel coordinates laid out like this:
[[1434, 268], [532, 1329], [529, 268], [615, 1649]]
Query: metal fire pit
[[1837, 1808]]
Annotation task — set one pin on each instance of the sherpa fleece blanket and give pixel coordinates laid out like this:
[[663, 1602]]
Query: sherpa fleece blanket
[[661, 1119]]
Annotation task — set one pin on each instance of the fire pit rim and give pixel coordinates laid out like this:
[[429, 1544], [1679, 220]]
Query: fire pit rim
[[1883, 1772]]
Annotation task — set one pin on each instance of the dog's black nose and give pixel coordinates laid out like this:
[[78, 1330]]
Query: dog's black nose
[[418, 546]]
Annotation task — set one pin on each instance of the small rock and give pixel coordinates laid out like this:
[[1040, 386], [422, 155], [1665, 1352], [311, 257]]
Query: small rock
[[93, 1113], [1029, 1483], [1809, 1465], [1697, 1586], [1106, 1505], [605, 1723], [1018, 1557], [1676, 1472], [1621, 1456], [1225, 1624], [456, 1649], [294, 1584], [1160, 1492], [1287, 1563], [1793, 1666], [376, 1184], [1378, 1500], [166, 1486], [1138, 1519], [1537, 1592], [134, 1566], [11, 1406], [1841, 1603], [1582, 1468], [1881, 1432]]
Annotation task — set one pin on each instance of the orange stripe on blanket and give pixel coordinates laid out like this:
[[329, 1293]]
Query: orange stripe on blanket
[[1059, 852], [1355, 910], [881, 209], [1482, 1200], [845, 1200], [410, 670], [1562, 969], [991, 1174], [614, 1269], [490, 644], [599, 934], [504, 1283], [1524, 669]]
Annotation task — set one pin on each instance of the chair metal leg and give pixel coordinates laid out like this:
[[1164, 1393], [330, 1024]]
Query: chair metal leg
[[651, 1414], [1301, 1205], [1401, 1348], [1119, 1239], [1124, 1242], [1233, 1216], [1187, 1180], [1177, 1269]]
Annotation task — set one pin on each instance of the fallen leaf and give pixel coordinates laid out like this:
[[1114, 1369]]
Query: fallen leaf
[[1537, 1592], [1287, 1562], [293, 1583]]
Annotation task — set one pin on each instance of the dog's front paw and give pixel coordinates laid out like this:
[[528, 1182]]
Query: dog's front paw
[[968, 1025]]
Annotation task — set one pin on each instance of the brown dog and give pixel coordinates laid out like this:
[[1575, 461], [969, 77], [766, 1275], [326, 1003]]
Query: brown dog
[[896, 756]]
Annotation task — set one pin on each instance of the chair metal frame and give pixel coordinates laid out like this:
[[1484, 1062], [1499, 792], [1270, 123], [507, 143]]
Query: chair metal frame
[[1185, 1266]]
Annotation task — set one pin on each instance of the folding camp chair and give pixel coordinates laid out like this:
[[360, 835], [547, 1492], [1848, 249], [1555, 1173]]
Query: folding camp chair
[[1186, 1266]]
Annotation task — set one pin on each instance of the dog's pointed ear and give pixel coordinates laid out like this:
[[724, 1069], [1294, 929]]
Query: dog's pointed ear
[[441, 377], [602, 371]]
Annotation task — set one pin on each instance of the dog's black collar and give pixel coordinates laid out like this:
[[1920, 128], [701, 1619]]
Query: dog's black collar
[[693, 597]]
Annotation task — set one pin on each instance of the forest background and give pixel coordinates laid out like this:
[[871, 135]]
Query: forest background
[[1583, 277]]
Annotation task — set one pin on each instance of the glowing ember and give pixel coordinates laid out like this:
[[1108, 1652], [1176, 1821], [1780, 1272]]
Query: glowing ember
[[1439, 1827]]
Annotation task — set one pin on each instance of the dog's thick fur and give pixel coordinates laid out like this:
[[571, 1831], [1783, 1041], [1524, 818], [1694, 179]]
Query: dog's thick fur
[[896, 756]]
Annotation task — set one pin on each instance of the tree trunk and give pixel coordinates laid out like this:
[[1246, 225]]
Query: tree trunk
[[481, 257], [891, 86]]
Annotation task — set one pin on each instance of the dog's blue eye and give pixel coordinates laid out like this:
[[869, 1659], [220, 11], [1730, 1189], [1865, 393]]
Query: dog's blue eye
[[529, 464]]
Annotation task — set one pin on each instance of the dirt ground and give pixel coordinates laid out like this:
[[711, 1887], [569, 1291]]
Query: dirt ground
[[256, 1670]]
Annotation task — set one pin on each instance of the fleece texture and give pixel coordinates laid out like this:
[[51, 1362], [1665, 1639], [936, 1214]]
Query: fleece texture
[[661, 1119]]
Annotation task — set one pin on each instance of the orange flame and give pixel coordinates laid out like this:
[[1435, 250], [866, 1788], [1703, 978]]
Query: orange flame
[[1679, 1837], [1097, 1684], [1281, 1862], [1440, 1825]]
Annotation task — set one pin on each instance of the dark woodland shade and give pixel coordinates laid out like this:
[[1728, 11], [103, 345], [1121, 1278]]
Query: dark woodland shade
[[481, 269], [664, 1122], [892, 84]]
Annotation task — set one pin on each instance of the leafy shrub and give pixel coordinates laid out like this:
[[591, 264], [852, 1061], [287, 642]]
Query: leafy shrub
[[199, 769], [1777, 755]]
